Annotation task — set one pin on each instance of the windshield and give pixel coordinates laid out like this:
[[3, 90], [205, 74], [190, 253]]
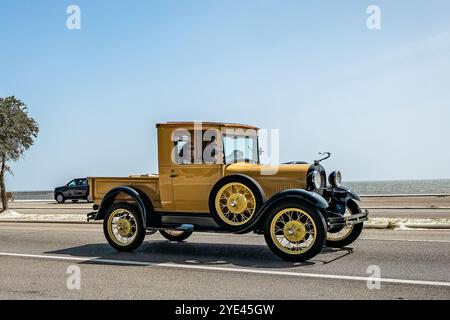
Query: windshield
[[240, 148]]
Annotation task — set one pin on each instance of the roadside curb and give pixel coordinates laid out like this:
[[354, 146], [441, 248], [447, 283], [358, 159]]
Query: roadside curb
[[377, 226], [397, 226], [426, 226]]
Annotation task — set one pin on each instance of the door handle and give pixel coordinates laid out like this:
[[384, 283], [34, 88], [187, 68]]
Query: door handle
[[173, 174]]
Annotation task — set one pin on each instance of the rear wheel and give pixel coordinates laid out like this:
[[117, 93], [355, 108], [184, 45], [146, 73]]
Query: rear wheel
[[295, 231], [348, 234], [123, 227], [60, 198], [175, 235]]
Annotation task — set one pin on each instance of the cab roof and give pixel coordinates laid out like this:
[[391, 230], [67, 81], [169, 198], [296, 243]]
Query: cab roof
[[205, 123]]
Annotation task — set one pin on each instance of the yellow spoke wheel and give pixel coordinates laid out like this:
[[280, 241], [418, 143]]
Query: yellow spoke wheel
[[343, 233], [175, 235], [235, 204], [348, 234], [293, 231], [123, 227]]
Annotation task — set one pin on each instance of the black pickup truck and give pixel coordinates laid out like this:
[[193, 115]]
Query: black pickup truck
[[77, 189]]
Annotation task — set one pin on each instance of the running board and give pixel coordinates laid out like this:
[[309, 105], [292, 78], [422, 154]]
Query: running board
[[183, 227]]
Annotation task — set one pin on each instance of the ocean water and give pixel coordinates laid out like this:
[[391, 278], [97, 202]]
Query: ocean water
[[401, 187], [33, 195], [362, 187]]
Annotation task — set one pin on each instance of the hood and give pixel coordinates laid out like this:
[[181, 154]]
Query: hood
[[274, 179], [286, 170]]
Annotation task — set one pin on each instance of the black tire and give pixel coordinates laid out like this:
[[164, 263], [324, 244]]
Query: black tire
[[75, 200], [175, 238], [150, 232], [60, 198], [319, 227], [352, 235], [139, 227], [249, 183]]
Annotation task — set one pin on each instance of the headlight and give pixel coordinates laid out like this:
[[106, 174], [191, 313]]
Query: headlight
[[316, 179], [335, 178]]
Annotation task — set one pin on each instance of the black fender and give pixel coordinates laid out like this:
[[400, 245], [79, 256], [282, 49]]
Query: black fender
[[143, 202], [339, 197], [308, 197], [351, 194]]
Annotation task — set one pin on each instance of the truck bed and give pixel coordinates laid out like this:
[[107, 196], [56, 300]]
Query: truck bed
[[99, 186]]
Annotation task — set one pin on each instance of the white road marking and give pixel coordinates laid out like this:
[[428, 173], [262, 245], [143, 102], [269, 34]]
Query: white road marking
[[405, 240], [225, 269]]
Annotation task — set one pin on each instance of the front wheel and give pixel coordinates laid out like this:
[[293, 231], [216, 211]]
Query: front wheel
[[60, 198], [123, 227], [348, 234], [295, 231], [175, 235]]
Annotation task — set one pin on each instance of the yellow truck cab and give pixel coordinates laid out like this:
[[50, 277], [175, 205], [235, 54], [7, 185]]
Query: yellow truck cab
[[211, 179]]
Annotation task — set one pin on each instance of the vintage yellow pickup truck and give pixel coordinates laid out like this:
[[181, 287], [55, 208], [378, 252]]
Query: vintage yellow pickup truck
[[211, 179]]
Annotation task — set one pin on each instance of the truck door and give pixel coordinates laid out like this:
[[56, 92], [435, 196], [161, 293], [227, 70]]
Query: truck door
[[195, 170], [81, 188], [70, 187]]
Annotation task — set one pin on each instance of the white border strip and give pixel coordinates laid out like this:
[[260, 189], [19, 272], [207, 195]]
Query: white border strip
[[31, 200], [224, 269]]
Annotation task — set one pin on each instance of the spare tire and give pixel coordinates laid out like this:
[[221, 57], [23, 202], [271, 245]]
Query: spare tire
[[234, 202]]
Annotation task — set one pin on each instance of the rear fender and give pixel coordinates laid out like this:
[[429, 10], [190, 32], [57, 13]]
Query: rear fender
[[142, 201]]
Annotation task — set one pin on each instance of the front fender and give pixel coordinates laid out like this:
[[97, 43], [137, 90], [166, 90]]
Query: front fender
[[309, 197], [312, 198], [350, 193], [338, 198]]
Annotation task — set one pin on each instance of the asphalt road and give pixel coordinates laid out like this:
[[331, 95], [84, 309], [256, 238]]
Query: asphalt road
[[400, 211], [34, 259]]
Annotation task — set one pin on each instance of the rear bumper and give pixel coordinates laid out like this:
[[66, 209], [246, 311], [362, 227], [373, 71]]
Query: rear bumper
[[91, 216], [339, 222]]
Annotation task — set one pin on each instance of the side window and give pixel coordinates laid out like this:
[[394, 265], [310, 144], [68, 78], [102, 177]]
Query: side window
[[72, 183], [81, 182], [204, 149], [183, 150], [210, 147]]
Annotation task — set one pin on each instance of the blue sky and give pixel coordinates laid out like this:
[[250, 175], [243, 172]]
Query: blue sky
[[377, 99]]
